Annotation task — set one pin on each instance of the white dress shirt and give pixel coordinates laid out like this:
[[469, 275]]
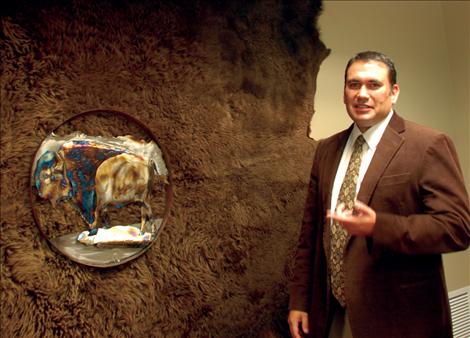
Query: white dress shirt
[[372, 137]]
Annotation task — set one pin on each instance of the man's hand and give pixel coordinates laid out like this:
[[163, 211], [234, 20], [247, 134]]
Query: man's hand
[[359, 222], [298, 323]]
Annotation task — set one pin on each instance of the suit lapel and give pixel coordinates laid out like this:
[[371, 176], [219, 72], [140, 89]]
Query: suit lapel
[[388, 146], [333, 153], [331, 166]]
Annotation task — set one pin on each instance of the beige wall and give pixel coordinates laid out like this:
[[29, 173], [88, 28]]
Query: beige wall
[[429, 42]]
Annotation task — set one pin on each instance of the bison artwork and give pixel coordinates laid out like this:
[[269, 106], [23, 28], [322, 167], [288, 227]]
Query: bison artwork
[[96, 173]]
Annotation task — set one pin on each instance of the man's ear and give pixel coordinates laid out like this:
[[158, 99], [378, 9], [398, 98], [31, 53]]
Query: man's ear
[[395, 92]]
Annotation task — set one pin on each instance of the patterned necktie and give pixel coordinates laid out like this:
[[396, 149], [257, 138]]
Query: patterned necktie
[[339, 235]]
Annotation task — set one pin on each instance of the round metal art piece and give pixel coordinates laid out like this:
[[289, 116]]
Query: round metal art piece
[[100, 188]]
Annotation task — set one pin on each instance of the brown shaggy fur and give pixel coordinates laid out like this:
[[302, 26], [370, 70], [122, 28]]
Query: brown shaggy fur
[[227, 87]]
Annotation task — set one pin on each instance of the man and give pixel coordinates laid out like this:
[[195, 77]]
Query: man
[[396, 193]]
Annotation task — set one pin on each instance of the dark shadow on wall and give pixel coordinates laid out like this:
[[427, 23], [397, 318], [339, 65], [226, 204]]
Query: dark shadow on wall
[[228, 88]]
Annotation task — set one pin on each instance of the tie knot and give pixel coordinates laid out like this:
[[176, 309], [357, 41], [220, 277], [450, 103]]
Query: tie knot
[[359, 142]]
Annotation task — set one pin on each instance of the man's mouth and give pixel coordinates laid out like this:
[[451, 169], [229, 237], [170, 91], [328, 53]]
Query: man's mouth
[[362, 107]]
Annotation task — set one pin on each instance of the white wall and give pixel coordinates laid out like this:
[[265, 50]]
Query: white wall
[[429, 42]]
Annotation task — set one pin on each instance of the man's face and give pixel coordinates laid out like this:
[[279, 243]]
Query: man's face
[[368, 94]]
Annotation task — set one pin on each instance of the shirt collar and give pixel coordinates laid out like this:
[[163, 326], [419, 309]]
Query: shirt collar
[[372, 135]]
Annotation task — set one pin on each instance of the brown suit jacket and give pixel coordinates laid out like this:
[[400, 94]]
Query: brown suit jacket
[[394, 282]]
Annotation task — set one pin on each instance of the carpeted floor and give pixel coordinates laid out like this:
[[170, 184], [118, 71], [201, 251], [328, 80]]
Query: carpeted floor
[[227, 87]]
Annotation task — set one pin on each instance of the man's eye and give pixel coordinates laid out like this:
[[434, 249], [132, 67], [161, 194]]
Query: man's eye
[[374, 85], [354, 85]]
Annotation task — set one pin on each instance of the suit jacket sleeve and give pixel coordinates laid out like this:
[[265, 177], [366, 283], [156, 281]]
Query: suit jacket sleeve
[[300, 285], [440, 221]]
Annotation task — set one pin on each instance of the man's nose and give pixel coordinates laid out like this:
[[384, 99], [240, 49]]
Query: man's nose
[[363, 93]]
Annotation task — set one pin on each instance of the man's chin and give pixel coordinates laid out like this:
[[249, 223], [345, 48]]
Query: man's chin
[[363, 122], [362, 117]]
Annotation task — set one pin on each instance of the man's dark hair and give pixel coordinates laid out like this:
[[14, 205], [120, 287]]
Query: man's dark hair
[[374, 56]]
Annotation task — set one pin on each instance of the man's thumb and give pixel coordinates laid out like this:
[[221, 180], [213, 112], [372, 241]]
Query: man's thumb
[[305, 324]]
